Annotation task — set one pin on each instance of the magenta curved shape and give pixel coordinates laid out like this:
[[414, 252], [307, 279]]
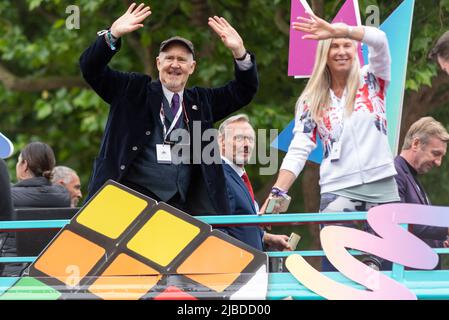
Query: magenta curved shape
[[395, 244]]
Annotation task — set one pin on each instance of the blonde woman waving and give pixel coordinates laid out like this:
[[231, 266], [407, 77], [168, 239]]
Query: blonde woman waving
[[344, 105]]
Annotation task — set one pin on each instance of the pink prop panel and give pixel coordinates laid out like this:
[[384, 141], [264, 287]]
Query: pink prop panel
[[302, 52]]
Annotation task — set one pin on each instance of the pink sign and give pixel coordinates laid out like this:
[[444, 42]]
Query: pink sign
[[302, 52]]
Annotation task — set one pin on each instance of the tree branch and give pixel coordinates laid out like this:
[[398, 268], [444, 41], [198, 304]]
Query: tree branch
[[428, 99], [168, 13], [280, 22], [144, 53], [50, 17], [29, 84], [318, 7], [201, 11], [311, 195]]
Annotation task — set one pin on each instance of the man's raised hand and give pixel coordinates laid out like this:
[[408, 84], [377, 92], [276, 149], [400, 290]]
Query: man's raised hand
[[131, 20], [228, 35]]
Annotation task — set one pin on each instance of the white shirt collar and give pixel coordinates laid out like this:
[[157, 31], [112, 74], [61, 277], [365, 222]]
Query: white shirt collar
[[339, 101], [169, 95], [240, 171]]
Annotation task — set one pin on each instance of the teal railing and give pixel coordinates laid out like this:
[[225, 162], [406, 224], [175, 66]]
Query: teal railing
[[425, 284]]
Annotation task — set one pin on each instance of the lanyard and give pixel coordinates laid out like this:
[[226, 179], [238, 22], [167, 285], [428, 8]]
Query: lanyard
[[341, 103], [175, 120]]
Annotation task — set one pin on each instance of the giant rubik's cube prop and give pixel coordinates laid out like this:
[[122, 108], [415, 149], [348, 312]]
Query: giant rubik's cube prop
[[123, 245]]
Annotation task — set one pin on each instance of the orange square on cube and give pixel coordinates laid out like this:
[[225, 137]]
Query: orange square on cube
[[69, 258], [216, 263], [125, 278]]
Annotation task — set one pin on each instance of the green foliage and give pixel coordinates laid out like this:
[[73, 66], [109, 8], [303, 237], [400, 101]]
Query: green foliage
[[435, 181]]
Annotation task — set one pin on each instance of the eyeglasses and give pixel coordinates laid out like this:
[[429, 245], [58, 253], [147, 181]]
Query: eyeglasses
[[240, 138]]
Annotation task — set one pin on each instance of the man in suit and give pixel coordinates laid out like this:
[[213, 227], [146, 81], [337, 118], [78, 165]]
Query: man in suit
[[236, 138], [424, 147], [137, 147]]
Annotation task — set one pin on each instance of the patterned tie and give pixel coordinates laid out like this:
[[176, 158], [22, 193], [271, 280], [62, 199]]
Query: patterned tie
[[248, 185], [175, 107]]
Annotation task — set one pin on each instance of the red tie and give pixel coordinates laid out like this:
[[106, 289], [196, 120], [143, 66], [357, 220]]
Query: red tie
[[248, 185]]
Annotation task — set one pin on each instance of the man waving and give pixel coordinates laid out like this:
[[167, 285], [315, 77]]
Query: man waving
[[138, 143]]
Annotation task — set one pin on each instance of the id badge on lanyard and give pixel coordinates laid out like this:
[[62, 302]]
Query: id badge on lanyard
[[163, 151], [336, 146], [336, 151]]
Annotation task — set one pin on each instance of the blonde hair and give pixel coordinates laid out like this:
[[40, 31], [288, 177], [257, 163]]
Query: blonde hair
[[424, 129], [316, 94]]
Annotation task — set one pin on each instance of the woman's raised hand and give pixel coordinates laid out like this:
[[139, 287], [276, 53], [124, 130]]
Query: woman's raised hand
[[315, 27]]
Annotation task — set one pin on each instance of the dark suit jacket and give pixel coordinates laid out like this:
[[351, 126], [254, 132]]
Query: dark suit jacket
[[135, 100], [409, 193], [5, 193], [241, 203], [5, 204]]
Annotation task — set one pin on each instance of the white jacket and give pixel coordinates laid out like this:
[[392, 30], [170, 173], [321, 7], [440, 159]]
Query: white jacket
[[365, 152]]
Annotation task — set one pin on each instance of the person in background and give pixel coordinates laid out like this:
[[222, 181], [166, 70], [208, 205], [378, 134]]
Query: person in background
[[69, 179], [424, 147], [236, 140], [440, 52], [33, 190], [34, 172]]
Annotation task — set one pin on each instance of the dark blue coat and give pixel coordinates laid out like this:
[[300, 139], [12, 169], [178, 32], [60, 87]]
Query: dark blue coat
[[409, 193], [241, 204], [135, 100], [5, 193]]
